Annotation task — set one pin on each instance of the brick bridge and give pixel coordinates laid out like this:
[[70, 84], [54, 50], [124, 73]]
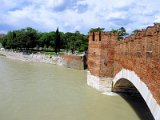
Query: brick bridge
[[129, 65]]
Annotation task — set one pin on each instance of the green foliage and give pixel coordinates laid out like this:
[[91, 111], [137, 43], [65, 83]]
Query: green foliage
[[1, 39], [121, 32], [46, 40], [96, 29], [57, 41], [29, 39], [24, 38], [76, 42]]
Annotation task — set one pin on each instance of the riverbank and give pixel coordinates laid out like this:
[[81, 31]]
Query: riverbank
[[70, 61]]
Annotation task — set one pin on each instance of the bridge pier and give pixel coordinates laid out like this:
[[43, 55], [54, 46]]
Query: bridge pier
[[100, 83]]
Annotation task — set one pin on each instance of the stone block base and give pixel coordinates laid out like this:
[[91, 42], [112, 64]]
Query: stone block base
[[100, 83]]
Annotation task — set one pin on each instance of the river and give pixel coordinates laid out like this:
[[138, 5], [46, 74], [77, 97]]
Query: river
[[35, 91]]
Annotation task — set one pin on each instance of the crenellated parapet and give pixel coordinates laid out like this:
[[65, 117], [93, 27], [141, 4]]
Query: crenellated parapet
[[101, 37], [141, 53], [145, 42], [136, 57], [101, 53]]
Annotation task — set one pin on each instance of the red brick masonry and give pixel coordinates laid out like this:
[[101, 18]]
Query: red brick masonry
[[139, 53]]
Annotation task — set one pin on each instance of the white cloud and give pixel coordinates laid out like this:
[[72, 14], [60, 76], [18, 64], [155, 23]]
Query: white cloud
[[71, 15], [157, 19], [55, 3]]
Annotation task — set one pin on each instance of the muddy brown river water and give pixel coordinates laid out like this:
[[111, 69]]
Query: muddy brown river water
[[35, 91]]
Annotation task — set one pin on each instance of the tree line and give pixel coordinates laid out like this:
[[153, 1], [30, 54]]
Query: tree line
[[30, 39]]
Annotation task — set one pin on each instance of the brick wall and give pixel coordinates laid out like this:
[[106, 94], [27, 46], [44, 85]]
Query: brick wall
[[139, 52], [74, 61], [101, 53]]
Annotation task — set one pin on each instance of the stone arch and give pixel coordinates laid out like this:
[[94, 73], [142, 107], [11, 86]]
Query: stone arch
[[142, 88], [125, 86]]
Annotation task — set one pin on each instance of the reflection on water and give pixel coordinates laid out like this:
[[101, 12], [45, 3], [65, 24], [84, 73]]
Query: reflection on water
[[34, 91]]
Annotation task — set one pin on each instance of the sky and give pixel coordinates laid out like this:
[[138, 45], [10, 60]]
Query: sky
[[81, 15]]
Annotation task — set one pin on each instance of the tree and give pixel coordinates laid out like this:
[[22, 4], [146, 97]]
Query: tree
[[39, 41], [121, 32], [75, 42], [57, 41], [114, 30], [45, 40], [4, 42], [96, 29], [81, 42], [1, 39], [28, 38], [20, 39], [31, 36], [8, 40]]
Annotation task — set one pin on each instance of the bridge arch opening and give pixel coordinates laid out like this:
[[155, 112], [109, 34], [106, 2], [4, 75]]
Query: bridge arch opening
[[124, 86], [129, 82], [132, 96]]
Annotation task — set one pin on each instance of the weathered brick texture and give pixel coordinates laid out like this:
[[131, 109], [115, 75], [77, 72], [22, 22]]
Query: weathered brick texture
[[139, 53], [101, 53]]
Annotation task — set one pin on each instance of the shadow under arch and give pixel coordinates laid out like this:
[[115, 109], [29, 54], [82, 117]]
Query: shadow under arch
[[129, 82], [132, 96]]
